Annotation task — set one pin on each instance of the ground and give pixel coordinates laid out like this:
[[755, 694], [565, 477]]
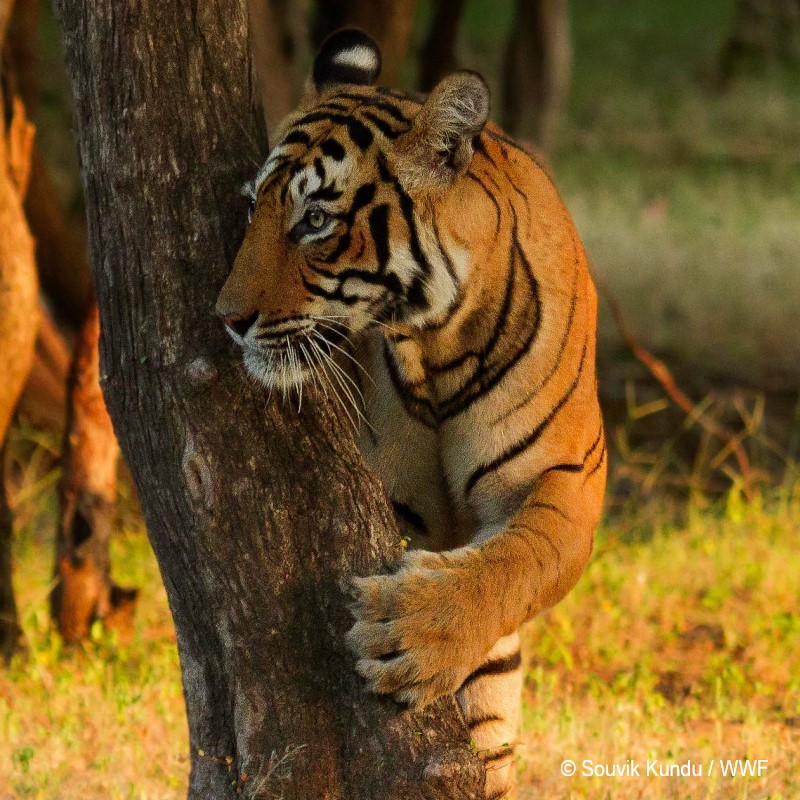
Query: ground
[[679, 643]]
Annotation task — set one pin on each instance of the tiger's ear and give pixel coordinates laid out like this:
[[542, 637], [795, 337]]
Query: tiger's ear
[[439, 145], [346, 56]]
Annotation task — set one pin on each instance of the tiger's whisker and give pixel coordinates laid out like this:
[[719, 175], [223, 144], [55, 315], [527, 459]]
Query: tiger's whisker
[[299, 372], [313, 368], [320, 355], [339, 368], [318, 367], [348, 355], [338, 375], [283, 371]]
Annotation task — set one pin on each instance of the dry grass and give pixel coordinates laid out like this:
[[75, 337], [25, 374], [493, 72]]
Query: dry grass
[[704, 273], [101, 721], [679, 642]]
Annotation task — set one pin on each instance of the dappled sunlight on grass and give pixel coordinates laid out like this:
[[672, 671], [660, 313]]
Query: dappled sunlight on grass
[[99, 721], [679, 643]]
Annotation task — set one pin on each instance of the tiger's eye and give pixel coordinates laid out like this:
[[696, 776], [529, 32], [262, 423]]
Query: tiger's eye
[[316, 218]]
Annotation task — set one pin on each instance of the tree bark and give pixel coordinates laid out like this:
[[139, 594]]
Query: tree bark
[[537, 71], [18, 305], [84, 591], [437, 55], [257, 514]]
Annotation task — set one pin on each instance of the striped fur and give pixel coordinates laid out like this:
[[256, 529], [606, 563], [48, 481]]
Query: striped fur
[[409, 241]]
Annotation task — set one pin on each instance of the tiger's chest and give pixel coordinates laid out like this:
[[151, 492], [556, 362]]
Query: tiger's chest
[[404, 448]]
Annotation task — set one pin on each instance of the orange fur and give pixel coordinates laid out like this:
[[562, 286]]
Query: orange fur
[[445, 263]]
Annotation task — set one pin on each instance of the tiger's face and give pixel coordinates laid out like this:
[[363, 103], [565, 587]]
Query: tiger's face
[[337, 238]]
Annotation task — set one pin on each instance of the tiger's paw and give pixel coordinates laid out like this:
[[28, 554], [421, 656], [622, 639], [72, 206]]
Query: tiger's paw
[[420, 631]]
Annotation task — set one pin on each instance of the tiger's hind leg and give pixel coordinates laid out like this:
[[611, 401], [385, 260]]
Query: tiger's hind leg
[[490, 700]]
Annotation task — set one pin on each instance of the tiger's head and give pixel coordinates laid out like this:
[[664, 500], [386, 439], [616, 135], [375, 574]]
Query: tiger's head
[[338, 239]]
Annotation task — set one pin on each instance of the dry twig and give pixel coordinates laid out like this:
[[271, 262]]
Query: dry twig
[[659, 370]]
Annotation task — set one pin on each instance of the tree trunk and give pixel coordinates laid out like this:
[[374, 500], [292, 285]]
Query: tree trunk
[[84, 591], [437, 54], [766, 33], [257, 514], [44, 398], [537, 71], [279, 34], [18, 306], [23, 49], [60, 254]]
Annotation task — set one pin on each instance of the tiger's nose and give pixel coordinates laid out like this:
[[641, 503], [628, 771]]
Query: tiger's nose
[[237, 323]]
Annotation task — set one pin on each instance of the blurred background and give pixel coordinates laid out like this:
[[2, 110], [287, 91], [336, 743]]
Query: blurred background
[[672, 130]]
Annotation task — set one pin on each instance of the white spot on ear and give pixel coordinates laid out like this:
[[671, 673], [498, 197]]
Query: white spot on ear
[[360, 57]]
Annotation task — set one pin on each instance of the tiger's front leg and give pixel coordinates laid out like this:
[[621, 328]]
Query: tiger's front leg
[[417, 635], [424, 630]]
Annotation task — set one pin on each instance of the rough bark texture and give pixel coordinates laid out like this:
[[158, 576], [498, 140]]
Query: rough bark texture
[[84, 591], [537, 71], [18, 305], [256, 514]]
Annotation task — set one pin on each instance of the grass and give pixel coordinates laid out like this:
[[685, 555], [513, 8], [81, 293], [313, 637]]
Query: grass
[[686, 193], [679, 642], [101, 721]]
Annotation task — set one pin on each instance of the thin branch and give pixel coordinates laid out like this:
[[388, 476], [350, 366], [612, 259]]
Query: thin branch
[[659, 370]]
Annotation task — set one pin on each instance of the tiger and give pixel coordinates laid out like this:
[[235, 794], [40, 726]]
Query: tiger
[[407, 253]]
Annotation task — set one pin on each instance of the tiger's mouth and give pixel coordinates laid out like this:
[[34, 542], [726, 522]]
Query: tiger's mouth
[[310, 352], [280, 367], [283, 359]]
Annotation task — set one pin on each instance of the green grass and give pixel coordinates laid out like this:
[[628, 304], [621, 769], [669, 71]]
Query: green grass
[[679, 642], [686, 195], [103, 720]]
